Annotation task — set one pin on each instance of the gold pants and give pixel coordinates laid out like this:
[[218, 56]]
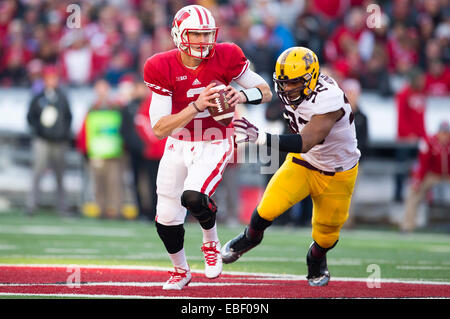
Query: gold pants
[[331, 196]]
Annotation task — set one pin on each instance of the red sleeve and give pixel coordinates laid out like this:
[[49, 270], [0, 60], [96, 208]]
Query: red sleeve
[[237, 61], [154, 75], [81, 139], [402, 118], [424, 158], [154, 148]]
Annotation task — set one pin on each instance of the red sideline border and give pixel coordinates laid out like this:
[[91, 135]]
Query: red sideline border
[[81, 281]]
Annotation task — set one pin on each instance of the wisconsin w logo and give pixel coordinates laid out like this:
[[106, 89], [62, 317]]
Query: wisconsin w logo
[[308, 60], [183, 15]]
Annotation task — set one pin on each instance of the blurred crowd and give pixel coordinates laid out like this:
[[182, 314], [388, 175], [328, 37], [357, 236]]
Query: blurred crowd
[[376, 45], [394, 48]]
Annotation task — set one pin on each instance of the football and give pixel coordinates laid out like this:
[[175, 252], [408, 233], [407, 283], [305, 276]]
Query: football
[[224, 112]]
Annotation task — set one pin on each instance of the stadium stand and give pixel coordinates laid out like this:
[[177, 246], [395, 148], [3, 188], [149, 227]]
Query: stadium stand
[[115, 38]]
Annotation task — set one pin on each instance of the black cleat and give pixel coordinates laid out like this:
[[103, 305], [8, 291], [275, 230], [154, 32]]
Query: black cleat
[[318, 274], [236, 247]]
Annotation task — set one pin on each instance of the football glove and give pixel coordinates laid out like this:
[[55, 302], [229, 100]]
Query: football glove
[[244, 131]]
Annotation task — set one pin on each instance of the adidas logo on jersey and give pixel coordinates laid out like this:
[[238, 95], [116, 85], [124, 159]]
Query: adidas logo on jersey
[[196, 82]]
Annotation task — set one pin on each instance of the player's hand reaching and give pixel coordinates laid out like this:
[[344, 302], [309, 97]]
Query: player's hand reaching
[[244, 131], [205, 97]]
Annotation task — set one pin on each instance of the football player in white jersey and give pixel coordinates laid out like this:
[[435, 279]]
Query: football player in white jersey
[[322, 160]]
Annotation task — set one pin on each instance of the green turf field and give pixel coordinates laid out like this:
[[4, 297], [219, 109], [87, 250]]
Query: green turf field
[[50, 239]]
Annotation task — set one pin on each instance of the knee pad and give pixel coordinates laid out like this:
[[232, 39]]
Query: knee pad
[[169, 211], [171, 236], [200, 206]]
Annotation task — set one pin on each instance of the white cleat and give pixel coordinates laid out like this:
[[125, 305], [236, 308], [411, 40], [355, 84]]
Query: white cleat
[[178, 279], [213, 259]]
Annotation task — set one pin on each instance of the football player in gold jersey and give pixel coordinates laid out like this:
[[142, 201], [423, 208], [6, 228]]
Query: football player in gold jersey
[[322, 159]]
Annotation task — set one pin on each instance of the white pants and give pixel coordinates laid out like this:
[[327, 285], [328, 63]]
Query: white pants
[[196, 166]]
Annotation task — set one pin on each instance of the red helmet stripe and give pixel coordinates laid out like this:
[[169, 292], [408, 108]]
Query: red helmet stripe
[[206, 15], [199, 15]]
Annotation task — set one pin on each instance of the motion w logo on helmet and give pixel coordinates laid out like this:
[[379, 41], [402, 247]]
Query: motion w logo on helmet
[[183, 15], [308, 60]]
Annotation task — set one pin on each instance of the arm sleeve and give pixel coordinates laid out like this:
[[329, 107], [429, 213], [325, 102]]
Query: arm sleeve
[[250, 79], [290, 143], [160, 105]]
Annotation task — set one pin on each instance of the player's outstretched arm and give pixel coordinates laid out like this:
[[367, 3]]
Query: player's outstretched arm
[[318, 129], [312, 134], [168, 123]]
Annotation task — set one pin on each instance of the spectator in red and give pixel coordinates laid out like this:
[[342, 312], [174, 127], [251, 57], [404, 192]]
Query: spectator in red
[[402, 48], [7, 11], [437, 78], [411, 105], [347, 36], [433, 168], [79, 62], [349, 65], [331, 9]]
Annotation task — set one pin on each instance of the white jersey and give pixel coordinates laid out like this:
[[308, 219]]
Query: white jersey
[[338, 152]]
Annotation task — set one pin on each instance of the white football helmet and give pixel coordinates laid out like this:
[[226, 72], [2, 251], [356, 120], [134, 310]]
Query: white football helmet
[[196, 19]]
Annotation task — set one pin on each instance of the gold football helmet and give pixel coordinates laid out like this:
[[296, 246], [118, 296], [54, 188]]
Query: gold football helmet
[[296, 74]]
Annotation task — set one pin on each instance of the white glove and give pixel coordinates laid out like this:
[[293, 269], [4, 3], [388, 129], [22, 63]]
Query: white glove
[[244, 131]]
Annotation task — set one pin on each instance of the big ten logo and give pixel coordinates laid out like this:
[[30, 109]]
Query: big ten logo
[[374, 279], [374, 17], [74, 279], [73, 21]]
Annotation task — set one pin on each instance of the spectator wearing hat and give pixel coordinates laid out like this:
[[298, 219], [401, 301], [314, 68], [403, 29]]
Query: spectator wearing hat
[[50, 118], [433, 168]]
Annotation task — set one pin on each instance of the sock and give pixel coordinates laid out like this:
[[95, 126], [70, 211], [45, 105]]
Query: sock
[[179, 259], [257, 226], [210, 234], [317, 252], [253, 234]]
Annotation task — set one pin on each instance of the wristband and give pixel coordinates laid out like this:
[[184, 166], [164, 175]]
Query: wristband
[[195, 107], [253, 95]]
